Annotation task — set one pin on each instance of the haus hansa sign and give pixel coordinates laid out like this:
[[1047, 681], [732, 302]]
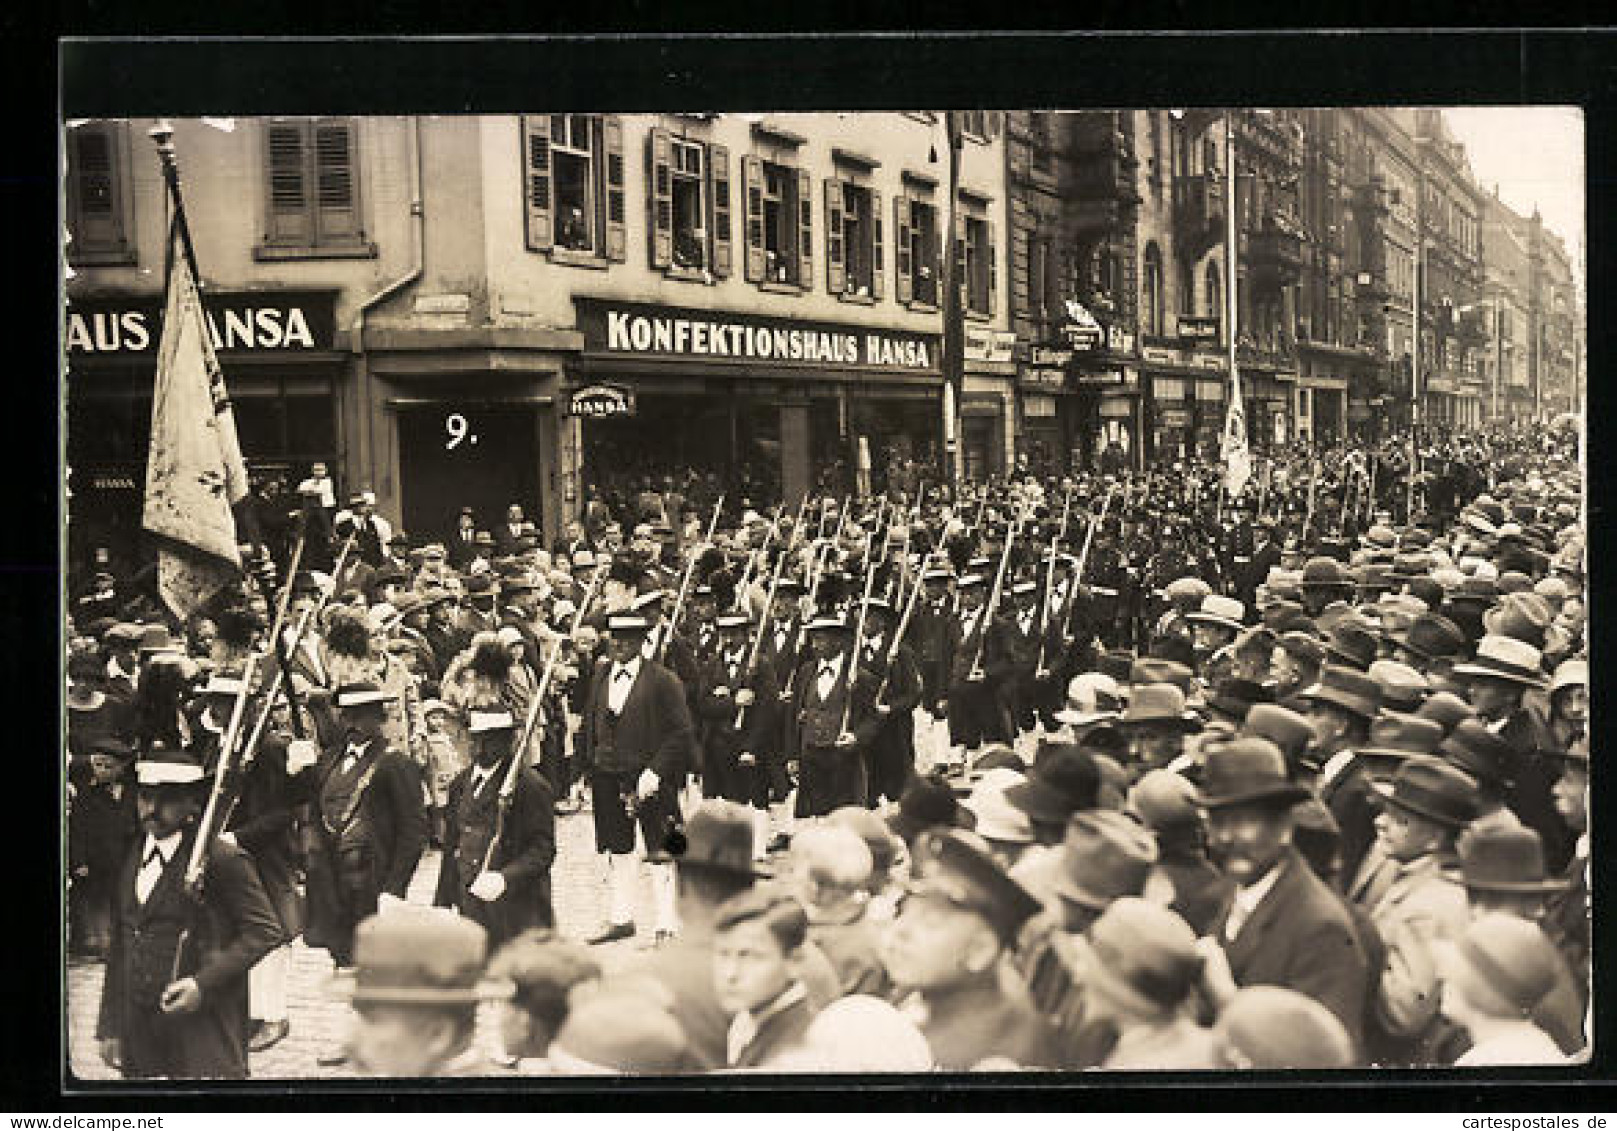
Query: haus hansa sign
[[278, 322]]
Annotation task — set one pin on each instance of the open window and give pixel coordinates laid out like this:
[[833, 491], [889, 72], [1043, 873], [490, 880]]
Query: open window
[[574, 186]]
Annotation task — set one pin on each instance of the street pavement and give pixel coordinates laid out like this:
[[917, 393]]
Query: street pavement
[[320, 1021]]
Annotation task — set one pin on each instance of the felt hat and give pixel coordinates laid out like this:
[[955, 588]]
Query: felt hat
[[620, 1032], [870, 827], [1303, 646], [928, 802], [997, 819], [1143, 953], [1188, 589], [1501, 857], [718, 838], [1350, 690], [1402, 687], [1432, 788], [628, 625], [1271, 1027], [425, 956], [1232, 698], [1323, 572], [1106, 855], [1508, 956], [1287, 729], [1395, 736], [1446, 709], [156, 638], [1063, 780], [1245, 770], [1479, 752], [1524, 616], [957, 867], [1351, 641], [829, 622], [1151, 669], [1163, 799], [1570, 673], [1505, 658], [1161, 704]]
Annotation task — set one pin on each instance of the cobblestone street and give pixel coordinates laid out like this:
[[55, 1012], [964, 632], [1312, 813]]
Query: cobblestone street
[[319, 1021]]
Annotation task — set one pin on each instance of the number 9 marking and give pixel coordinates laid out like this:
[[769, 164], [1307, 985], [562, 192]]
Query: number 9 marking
[[455, 425]]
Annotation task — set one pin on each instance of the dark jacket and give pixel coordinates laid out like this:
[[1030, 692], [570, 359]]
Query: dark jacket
[[653, 731], [231, 928], [780, 1031], [525, 852], [1302, 937]]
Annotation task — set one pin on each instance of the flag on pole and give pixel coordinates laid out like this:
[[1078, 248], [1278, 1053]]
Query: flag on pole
[[1233, 449], [194, 473]]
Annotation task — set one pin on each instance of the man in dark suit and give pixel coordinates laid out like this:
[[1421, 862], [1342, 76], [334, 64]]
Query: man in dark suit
[[152, 1023], [832, 723], [729, 689], [928, 635], [512, 893], [1251, 571], [894, 682], [462, 545], [974, 715], [637, 743], [782, 653], [1283, 926], [370, 824], [509, 532]]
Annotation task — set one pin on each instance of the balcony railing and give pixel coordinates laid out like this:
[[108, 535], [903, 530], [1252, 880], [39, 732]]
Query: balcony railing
[[1275, 253]]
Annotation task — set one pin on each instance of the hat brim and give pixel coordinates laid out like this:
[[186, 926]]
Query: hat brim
[[1188, 722], [1337, 699], [1221, 622], [1278, 794], [344, 984], [1041, 802], [1507, 675], [717, 867], [1083, 718], [1524, 887], [1384, 790]]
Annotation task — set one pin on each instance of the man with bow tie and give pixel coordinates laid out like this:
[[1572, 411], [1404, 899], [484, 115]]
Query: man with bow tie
[[729, 689], [370, 824], [502, 886], [973, 708], [174, 1003], [929, 635], [1017, 656], [830, 733], [636, 744]]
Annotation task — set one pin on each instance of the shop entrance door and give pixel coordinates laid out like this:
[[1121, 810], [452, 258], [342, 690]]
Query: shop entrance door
[[457, 454]]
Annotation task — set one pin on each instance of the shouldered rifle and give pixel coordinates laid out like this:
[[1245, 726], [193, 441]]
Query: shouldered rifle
[[816, 572], [994, 597], [758, 637], [508, 784], [1050, 581], [684, 584], [898, 637], [858, 645]]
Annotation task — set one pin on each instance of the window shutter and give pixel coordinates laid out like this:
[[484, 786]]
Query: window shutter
[[993, 268], [93, 190], [875, 244], [718, 158], [661, 198], [752, 183], [538, 192], [961, 282], [836, 275], [903, 268], [805, 233], [336, 193], [289, 219], [612, 150]]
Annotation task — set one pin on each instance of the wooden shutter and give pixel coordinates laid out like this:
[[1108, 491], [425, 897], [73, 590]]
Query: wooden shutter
[[993, 266], [718, 159], [93, 190], [290, 219], [752, 184], [538, 191], [903, 267], [336, 187], [661, 197], [805, 229], [836, 275], [612, 156], [961, 282], [875, 244]]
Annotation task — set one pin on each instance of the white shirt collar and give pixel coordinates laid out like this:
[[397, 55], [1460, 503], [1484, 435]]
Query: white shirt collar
[[168, 846], [1248, 898]]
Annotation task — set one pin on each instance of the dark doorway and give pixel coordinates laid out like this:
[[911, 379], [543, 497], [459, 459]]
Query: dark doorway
[[457, 454]]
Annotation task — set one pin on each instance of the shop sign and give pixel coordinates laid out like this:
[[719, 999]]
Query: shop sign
[[662, 333], [275, 322], [1196, 329], [1109, 376], [989, 345], [599, 402], [1039, 408], [1045, 355], [1052, 379]]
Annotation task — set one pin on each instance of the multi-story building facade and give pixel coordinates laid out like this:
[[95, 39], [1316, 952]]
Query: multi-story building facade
[[1507, 274], [485, 309], [1553, 359]]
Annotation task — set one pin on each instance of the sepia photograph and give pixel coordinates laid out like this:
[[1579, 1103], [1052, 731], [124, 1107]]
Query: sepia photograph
[[941, 591]]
